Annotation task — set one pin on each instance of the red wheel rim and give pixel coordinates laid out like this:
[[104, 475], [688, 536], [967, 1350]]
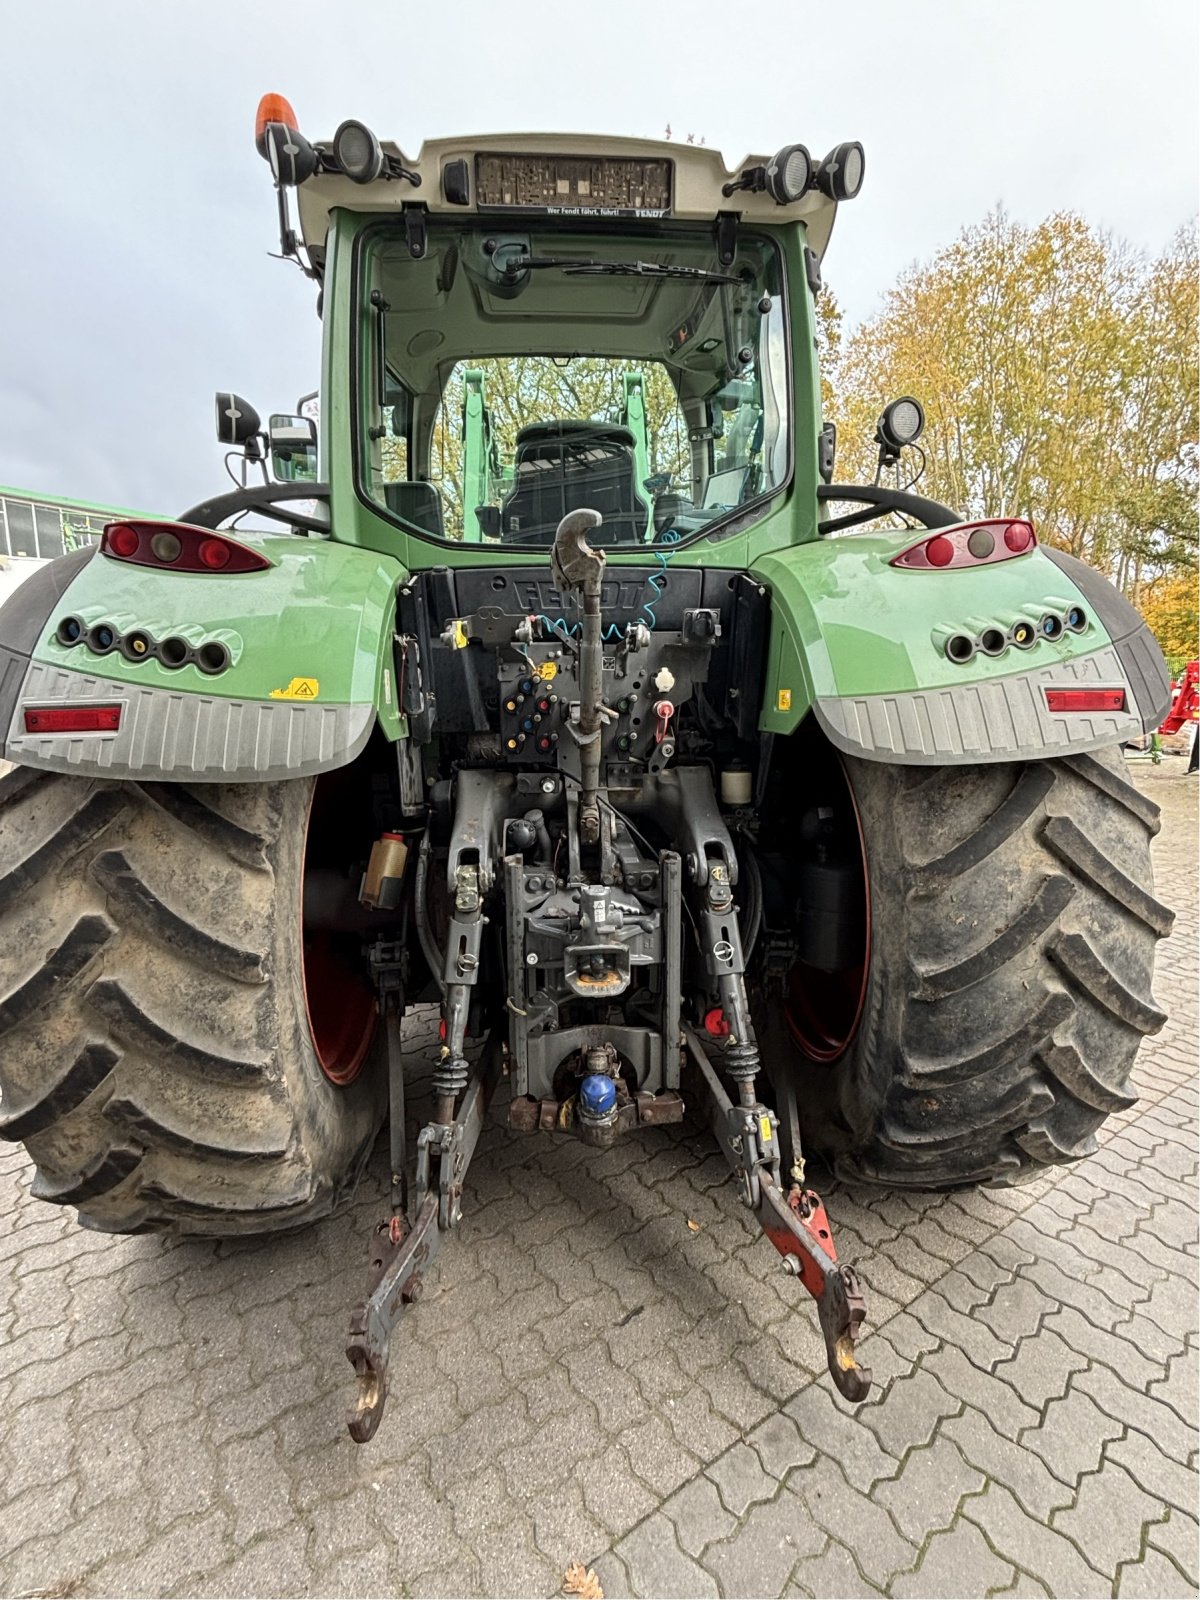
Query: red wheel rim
[[339, 1002], [823, 1009]]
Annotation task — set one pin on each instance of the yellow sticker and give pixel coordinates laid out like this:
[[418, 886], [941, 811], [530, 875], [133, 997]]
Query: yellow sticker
[[298, 689], [783, 700], [764, 1129], [458, 634], [548, 671]]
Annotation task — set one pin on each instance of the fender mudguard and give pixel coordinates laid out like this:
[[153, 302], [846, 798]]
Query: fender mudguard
[[861, 645], [306, 645]]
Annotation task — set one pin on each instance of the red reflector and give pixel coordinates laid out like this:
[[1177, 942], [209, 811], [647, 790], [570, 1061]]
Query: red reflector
[[716, 1024], [1018, 536], [939, 552], [1085, 699], [122, 540], [73, 719], [214, 553]]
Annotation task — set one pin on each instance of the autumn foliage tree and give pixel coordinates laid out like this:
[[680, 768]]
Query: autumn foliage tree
[[1058, 373], [1169, 606]]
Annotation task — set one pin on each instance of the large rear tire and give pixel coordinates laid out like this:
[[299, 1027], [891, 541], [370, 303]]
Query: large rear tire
[[156, 1052], [1012, 931]]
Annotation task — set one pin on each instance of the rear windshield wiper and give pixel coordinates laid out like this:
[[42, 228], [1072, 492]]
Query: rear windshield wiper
[[516, 265]]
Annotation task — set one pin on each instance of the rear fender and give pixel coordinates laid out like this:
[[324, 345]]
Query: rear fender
[[862, 646], [308, 673]]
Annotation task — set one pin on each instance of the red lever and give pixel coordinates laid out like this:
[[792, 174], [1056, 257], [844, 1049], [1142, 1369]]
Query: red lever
[[664, 711]]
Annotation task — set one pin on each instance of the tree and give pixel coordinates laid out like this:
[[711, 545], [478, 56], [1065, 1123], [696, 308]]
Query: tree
[[1057, 370], [1170, 608]]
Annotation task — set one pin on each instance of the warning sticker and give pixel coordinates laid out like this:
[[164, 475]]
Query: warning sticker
[[298, 689], [548, 671], [783, 700]]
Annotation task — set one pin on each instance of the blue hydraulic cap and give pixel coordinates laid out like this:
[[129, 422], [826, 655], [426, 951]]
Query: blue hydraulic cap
[[597, 1096]]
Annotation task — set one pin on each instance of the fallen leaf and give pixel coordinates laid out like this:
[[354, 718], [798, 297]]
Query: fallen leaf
[[693, 1226], [582, 1581]]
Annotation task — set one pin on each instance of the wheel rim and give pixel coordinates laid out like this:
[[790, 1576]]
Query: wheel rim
[[823, 1009], [339, 1002]]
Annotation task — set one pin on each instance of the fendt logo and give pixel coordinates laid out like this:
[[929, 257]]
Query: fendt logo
[[539, 595]]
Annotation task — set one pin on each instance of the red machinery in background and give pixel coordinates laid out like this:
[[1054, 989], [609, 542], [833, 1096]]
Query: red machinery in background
[[1185, 707]]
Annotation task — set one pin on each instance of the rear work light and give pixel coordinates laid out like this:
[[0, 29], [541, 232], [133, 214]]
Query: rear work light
[[1085, 699], [73, 719], [971, 544], [178, 547]]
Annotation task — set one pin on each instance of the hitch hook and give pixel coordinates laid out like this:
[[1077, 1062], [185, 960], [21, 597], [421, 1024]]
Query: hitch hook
[[798, 1227]]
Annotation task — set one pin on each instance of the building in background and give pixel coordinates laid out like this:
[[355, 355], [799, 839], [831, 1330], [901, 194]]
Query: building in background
[[35, 528]]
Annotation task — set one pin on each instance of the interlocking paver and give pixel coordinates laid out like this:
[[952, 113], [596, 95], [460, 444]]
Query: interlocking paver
[[1152, 1577], [758, 1558], [828, 1425], [1109, 1515], [844, 1513], [1025, 1473], [907, 1416], [1028, 1543], [1070, 1439], [657, 1457], [1179, 1538], [658, 1567], [780, 1446], [1153, 1471], [1139, 1410], [1009, 1410], [833, 1572], [584, 1371], [929, 1489], [741, 1480], [1041, 1368], [955, 1563]]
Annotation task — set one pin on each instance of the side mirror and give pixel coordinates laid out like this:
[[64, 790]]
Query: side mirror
[[293, 443], [237, 421]]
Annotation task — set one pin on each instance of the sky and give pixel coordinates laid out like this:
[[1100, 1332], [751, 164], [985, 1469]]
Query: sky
[[136, 277]]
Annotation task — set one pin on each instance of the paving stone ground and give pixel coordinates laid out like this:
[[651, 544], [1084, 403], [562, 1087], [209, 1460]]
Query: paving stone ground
[[586, 1378]]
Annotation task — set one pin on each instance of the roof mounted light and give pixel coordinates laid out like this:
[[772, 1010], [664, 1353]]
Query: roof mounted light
[[272, 108], [840, 175], [788, 174], [278, 140], [357, 152], [786, 177]]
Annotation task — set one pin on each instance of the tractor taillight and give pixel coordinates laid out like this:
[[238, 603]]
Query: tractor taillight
[[971, 544], [73, 719], [1085, 699], [178, 547], [122, 541], [214, 553]]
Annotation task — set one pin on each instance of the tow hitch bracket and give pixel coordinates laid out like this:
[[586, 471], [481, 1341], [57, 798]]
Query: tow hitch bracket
[[403, 1246], [795, 1223]]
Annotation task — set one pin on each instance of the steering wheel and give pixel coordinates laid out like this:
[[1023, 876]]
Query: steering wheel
[[877, 501], [263, 498]]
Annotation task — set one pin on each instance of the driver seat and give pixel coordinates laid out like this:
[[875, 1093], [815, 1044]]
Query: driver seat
[[571, 465]]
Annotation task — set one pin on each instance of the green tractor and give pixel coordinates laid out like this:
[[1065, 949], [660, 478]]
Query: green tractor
[[572, 694]]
